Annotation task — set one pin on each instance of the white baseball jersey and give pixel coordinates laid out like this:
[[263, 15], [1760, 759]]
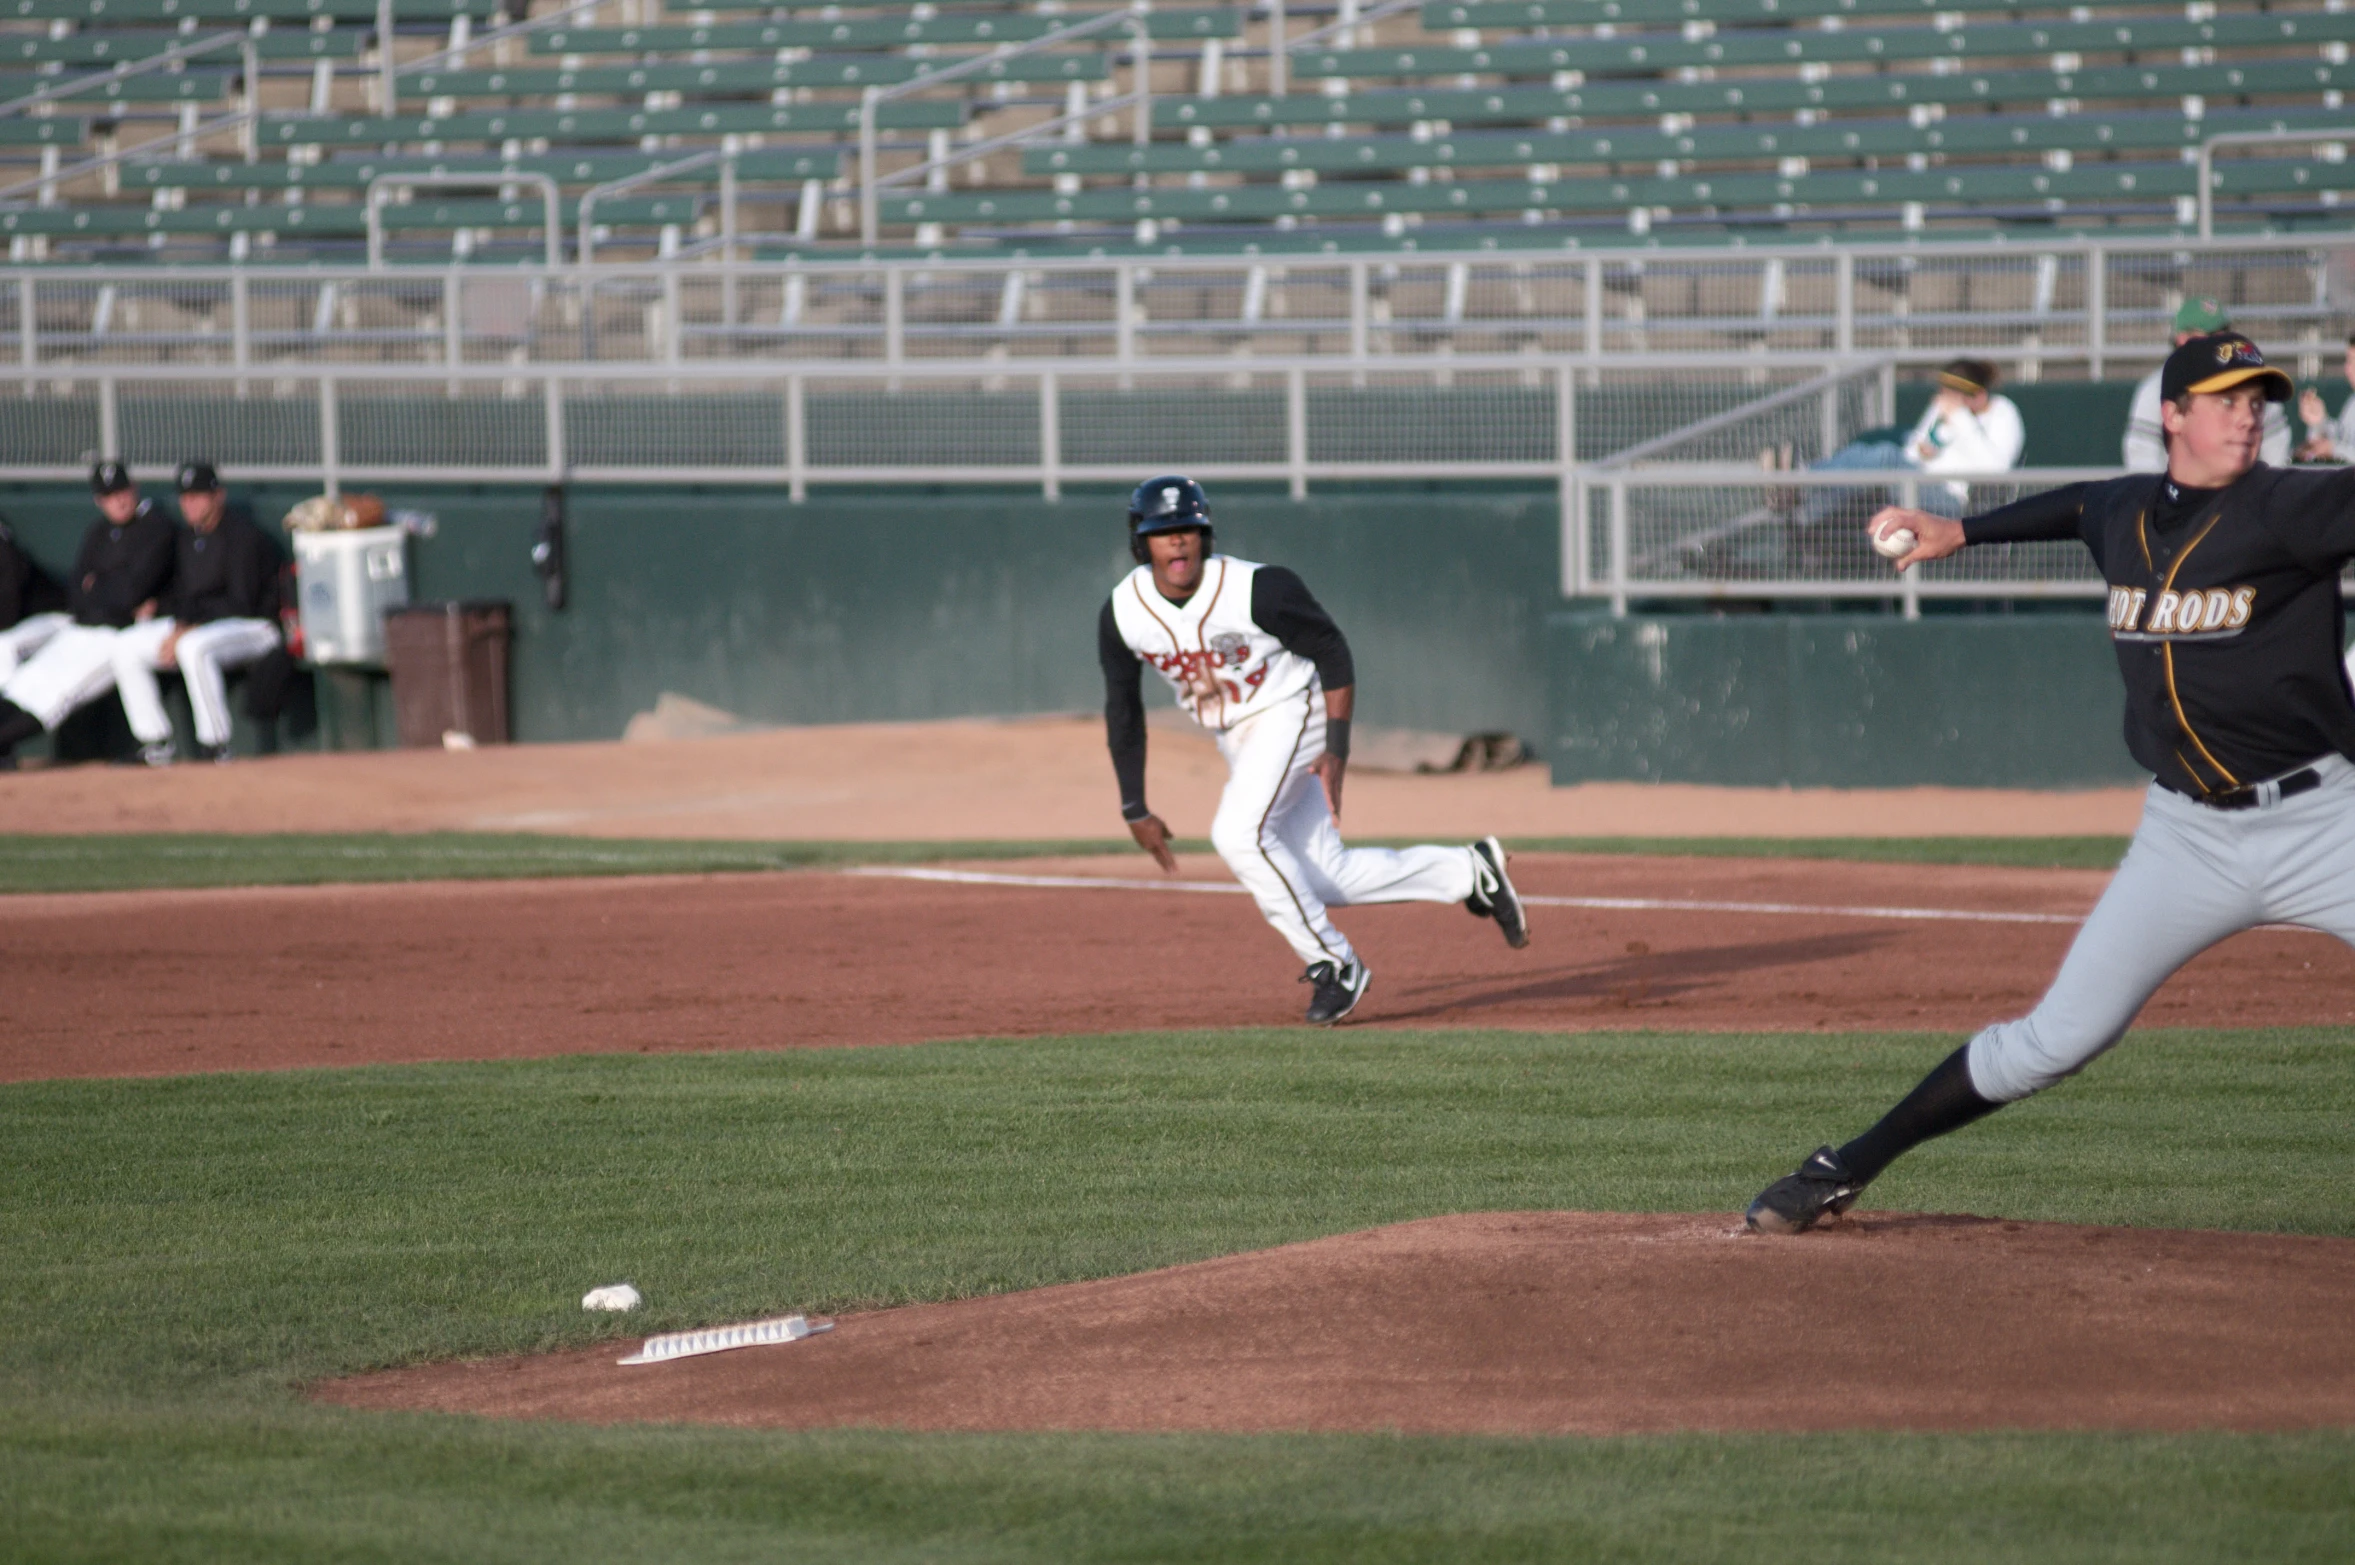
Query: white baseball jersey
[[1222, 665]]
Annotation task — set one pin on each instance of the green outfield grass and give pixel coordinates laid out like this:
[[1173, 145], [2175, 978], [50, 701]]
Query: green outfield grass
[[180, 1255], [135, 861]]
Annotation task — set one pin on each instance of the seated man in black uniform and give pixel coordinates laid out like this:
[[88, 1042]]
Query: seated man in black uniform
[[221, 613], [123, 567]]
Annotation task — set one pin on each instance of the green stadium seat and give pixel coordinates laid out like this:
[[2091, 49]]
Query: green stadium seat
[[153, 87], [1507, 105], [731, 76], [120, 11], [342, 220], [870, 33], [609, 124], [1643, 143], [2015, 185], [121, 46], [1799, 46], [571, 167], [19, 131], [1446, 15]]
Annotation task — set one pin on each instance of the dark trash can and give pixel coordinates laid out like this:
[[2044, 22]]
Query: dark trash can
[[449, 672]]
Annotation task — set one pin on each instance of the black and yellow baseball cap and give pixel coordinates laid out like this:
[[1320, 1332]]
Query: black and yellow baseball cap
[[2219, 362]]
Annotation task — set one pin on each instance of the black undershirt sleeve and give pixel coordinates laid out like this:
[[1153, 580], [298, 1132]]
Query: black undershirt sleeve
[[2037, 518], [1124, 713], [1281, 606]]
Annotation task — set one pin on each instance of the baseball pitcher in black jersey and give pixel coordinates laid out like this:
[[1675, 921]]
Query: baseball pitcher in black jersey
[[2225, 616]]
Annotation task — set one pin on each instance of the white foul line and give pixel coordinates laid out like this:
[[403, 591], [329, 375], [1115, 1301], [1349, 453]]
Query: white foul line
[[976, 877]]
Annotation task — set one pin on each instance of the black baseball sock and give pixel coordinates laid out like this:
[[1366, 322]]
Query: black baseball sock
[[1944, 1101], [16, 725]]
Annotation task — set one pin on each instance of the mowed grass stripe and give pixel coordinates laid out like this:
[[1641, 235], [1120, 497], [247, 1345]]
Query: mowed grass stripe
[[161, 861], [182, 1254]]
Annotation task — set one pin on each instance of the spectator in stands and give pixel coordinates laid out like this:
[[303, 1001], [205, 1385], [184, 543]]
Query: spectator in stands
[[221, 613], [2145, 447], [2329, 439], [1967, 428], [124, 565], [32, 604]]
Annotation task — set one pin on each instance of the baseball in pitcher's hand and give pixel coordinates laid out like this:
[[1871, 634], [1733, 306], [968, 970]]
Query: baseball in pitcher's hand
[[1935, 536], [1330, 769], [1152, 834]]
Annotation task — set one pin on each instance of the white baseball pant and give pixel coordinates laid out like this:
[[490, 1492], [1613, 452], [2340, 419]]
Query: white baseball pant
[[2191, 877], [27, 636], [204, 654], [1277, 834], [75, 668]]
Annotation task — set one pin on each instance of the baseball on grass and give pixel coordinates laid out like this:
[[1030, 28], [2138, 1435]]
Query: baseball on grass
[[1896, 543]]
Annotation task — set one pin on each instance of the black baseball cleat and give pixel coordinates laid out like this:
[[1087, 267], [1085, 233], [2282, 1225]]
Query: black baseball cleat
[[1338, 990], [1821, 1188], [1493, 895]]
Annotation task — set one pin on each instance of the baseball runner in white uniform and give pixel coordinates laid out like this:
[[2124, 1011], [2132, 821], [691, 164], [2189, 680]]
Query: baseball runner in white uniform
[[124, 565], [32, 605], [221, 613], [1254, 659], [2225, 617]]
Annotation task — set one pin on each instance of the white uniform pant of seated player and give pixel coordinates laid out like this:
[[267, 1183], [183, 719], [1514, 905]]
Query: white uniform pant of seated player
[[1275, 831], [2191, 877], [75, 668], [204, 654], [26, 637]]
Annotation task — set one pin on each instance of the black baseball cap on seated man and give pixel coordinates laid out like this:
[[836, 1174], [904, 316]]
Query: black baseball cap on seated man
[[197, 477], [2219, 362], [109, 477]]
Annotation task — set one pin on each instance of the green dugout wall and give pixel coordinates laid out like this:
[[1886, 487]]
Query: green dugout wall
[[883, 607]]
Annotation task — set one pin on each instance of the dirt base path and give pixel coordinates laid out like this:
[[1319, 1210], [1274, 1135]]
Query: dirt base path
[[1035, 779], [1546, 1323], [150, 983]]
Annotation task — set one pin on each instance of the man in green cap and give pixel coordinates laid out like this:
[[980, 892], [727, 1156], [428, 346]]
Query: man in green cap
[[2146, 446]]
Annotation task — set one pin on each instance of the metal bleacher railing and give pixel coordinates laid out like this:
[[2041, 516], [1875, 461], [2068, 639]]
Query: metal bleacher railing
[[2080, 307]]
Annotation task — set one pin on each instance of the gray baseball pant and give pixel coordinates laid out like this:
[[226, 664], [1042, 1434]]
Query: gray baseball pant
[[2191, 877]]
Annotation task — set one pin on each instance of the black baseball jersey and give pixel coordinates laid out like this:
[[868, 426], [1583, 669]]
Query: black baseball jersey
[[228, 573], [121, 567], [2224, 611], [25, 588]]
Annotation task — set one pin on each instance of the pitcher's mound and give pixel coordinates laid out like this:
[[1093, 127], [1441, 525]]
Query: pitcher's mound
[[1548, 1323]]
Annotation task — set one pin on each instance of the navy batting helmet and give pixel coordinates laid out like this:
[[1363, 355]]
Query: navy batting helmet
[[1168, 504]]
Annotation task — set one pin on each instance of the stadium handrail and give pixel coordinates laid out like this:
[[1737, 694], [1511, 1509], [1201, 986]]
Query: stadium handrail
[[384, 183], [127, 68], [2243, 138], [873, 98], [725, 155], [253, 115]]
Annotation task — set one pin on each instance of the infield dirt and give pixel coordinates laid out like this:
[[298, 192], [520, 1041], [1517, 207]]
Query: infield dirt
[[134, 983], [1546, 1323], [1027, 779]]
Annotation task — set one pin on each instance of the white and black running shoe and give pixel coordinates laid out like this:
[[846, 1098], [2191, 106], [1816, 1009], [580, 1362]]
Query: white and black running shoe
[[1493, 895], [1338, 989]]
